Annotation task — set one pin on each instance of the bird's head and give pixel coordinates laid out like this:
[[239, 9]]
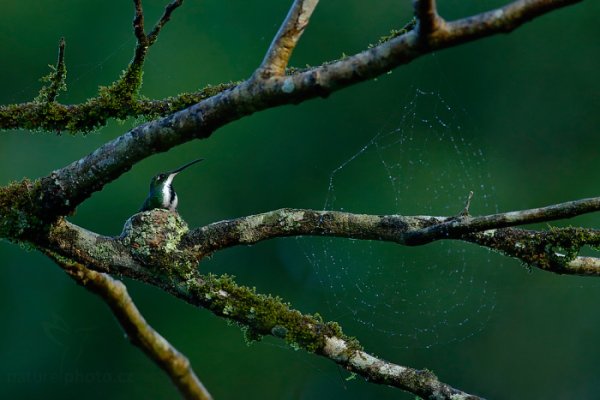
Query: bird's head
[[166, 178], [158, 181]]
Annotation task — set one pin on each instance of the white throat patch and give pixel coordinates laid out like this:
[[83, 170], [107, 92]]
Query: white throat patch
[[166, 197]]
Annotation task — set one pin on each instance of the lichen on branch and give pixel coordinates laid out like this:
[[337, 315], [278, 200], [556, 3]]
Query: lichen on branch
[[555, 250]]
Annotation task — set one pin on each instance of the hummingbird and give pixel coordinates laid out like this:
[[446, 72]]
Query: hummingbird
[[162, 194]]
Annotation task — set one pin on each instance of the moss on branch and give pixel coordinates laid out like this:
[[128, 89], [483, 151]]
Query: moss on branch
[[260, 314], [112, 102], [18, 210], [551, 250]]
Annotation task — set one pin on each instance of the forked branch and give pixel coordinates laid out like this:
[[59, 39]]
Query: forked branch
[[427, 17], [259, 314], [165, 17], [118, 100], [406, 230], [74, 183], [146, 40], [131, 81]]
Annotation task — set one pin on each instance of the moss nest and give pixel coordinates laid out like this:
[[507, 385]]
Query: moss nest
[[153, 238]]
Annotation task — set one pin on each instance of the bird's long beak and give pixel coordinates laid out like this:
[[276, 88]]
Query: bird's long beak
[[178, 170]]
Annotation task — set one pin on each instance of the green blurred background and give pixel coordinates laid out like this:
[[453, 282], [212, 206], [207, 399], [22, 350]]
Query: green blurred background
[[529, 100]]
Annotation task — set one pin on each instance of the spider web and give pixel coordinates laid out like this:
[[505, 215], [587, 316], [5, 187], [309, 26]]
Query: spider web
[[420, 296]]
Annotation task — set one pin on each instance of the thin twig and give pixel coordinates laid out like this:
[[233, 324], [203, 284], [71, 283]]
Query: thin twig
[[422, 383], [138, 24], [166, 16], [125, 89], [283, 44], [58, 83], [55, 79], [465, 210], [456, 227], [139, 332]]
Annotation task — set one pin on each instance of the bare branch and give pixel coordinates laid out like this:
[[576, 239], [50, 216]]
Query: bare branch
[[503, 19], [423, 383], [139, 332], [284, 42]]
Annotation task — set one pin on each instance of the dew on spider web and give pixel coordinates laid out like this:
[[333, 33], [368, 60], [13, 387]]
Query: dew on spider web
[[418, 296]]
